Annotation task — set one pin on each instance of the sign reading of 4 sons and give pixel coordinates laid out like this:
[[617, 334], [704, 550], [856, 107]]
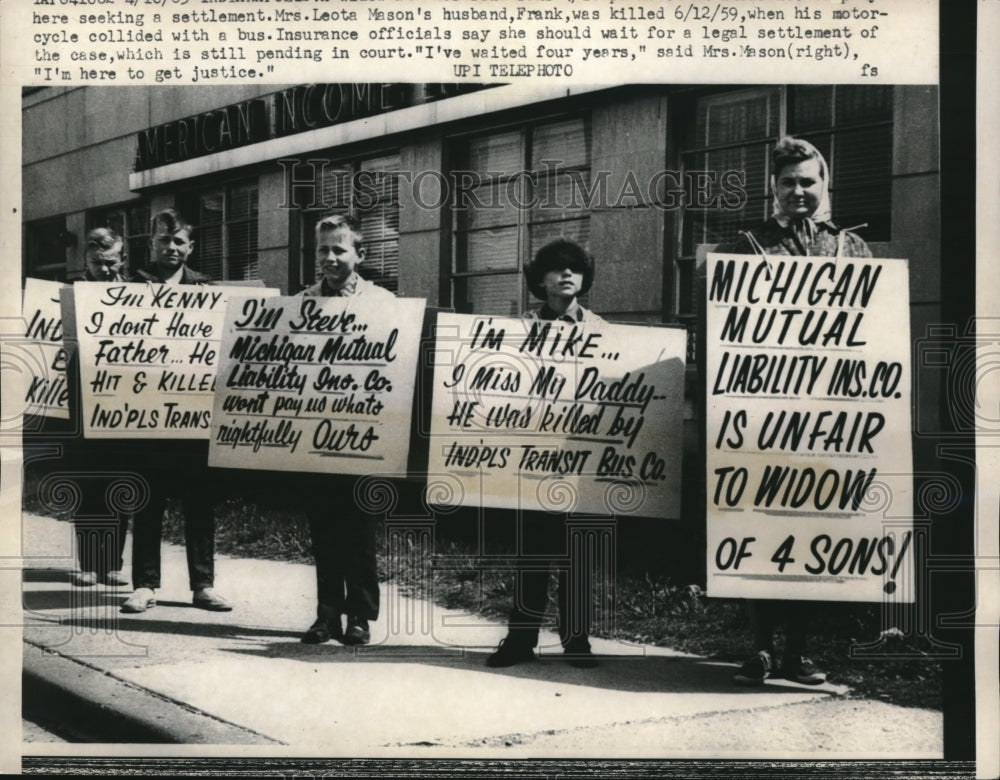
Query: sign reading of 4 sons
[[809, 462]]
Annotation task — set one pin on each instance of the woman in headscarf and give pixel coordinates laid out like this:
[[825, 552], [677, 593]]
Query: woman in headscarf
[[800, 224]]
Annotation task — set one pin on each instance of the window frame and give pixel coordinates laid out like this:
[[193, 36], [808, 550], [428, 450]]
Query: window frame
[[526, 132], [308, 216], [189, 203], [56, 226]]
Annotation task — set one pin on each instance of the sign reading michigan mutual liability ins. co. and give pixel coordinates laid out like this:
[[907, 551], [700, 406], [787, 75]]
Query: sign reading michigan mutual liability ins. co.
[[148, 357], [316, 384], [809, 462], [555, 416]]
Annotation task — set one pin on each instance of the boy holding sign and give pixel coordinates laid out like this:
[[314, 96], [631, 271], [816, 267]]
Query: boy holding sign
[[100, 544], [560, 272], [177, 468], [343, 546]]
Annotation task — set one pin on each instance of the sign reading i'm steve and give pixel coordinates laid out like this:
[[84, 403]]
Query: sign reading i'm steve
[[809, 462], [316, 384]]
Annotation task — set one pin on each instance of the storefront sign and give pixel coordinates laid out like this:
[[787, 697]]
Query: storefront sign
[[195, 136], [309, 106], [316, 385], [292, 110], [46, 393], [809, 462], [555, 416], [148, 357]]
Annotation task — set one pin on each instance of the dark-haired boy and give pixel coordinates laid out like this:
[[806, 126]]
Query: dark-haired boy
[[559, 274]]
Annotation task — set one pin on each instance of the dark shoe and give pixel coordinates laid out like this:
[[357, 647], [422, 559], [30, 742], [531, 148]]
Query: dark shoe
[[323, 630], [140, 601], [113, 578], [207, 598], [802, 670], [84, 579], [510, 652], [755, 669], [357, 632], [580, 655]]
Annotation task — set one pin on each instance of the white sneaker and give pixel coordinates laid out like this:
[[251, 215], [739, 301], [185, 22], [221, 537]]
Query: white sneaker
[[114, 579], [140, 601], [83, 579], [207, 598]]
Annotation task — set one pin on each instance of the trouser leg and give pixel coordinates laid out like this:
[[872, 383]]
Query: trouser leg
[[359, 565], [576, 597], [117, 546], [198, 503], [87, 541], [531, 599], [329, 577], [539, 535], [146, 535], [762, 623], [91, 521], [107, 538], [796, 626], [106, 545]]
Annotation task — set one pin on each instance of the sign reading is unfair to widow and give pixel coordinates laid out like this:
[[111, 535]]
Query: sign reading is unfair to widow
[[809, 462], [148, 357], [316, 384], [554, 416]]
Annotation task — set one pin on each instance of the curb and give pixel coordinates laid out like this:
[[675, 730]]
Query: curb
[[88, 705]]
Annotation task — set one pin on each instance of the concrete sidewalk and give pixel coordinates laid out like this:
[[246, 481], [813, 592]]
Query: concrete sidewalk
[[183, 675]]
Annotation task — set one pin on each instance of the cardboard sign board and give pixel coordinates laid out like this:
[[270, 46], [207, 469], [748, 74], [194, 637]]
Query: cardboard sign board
[[46, 392], [316, 384], [148, 357], [809, 461], [554, 416]]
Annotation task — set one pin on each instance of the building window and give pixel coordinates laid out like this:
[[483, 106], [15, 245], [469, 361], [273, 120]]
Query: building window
[[369, 190], [46, 241], [519, 190], [225, 240], [736, 130], [131, 222]]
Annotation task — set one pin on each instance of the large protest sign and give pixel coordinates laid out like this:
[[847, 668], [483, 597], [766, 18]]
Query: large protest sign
[[582, 417], [148, 357], [46, 393], [316, 384], [809, 462]]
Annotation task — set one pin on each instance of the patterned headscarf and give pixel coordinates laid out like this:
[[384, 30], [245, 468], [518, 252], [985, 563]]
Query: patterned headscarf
[[805, 227]]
